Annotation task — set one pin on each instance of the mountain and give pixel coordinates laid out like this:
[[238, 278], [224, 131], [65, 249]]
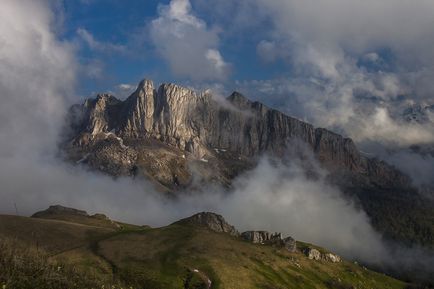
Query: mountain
[[180, 140], [55, 252]]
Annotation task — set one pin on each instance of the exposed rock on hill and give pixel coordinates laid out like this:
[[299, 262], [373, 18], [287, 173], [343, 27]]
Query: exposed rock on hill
[[59, 210], [315, 254], [211, 221], [260, 237], [267, 238], [312, 254]]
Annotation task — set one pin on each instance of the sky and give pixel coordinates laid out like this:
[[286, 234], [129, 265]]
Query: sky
[[122, 42]]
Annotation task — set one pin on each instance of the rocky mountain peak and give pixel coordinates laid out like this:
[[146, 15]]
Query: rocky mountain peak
[[196, 125], [145, 85], [211, 221], [144, 92], [239, 100]]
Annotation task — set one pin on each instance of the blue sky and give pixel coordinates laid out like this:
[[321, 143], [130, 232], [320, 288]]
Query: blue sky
[[125, 24], [112, 22]]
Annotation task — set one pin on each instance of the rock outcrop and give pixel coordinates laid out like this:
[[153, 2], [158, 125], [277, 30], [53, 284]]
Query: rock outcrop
[[314, 254], [62, 213], [260, 237], [59, 210], [267, 238], [290, 244], [211, 221]]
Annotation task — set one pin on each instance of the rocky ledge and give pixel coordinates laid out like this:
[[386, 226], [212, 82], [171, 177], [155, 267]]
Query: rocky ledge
[[211, 221], [314, 254], [266, 238], [58, 212]]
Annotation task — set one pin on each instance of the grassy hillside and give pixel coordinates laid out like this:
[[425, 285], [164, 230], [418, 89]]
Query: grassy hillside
[[176, 256]]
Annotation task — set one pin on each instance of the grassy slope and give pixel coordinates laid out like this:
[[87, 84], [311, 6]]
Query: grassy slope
[[166, 258]]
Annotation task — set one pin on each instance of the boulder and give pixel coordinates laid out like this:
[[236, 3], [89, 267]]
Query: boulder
[[332, 258], [313, 254], [264, 237], [290, 244]]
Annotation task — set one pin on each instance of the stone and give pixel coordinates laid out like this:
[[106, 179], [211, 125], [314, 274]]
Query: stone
[[290, 244], [264, 237], [211, 221], [256, 237], [313, 254], [332, 258]]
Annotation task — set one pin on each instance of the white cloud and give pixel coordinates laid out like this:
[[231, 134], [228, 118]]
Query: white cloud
[[36, 72], [356, 25], [93, 44], [186, 43], [270, 51], [323, 42], [373, 57], [125, 86]]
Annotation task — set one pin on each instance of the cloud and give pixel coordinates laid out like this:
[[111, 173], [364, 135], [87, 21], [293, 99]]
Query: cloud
[[186, 43], [282, 198], [356, 26], [124, 90], [36, 70], [126, 86], [271, 51], [330, 37], [93, 44], [348, 62]]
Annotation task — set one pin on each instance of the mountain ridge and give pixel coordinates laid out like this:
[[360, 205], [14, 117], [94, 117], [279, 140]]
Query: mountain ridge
[[198, 124], [182, 140]]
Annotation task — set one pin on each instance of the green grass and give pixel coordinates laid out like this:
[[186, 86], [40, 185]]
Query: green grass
[[168, 258]]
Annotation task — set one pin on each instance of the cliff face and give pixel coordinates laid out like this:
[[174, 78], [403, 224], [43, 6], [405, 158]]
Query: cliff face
[[206, 129]]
